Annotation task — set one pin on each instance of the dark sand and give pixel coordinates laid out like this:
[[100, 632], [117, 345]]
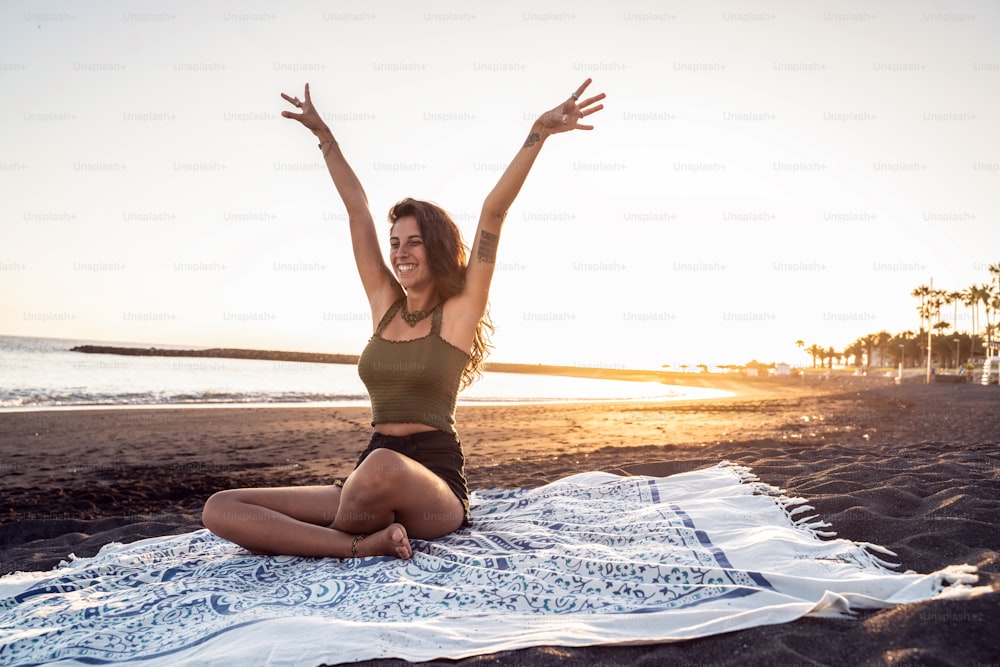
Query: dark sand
[[914, 468]]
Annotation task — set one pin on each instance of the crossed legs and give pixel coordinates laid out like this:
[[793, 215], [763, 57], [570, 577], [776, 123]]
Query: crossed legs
[[387, 499]]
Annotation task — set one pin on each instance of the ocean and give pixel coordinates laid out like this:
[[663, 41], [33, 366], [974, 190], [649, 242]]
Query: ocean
[[42, 373]]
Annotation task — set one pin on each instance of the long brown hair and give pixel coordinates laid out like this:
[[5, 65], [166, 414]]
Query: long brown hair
[[447, 256]]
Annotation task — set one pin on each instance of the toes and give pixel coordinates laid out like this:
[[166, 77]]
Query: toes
[[401, 542]]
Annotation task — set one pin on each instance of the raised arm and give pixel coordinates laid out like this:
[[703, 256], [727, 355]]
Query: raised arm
[[565, 117], [379, 282]]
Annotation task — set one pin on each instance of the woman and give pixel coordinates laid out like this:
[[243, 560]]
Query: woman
[[428, 307]]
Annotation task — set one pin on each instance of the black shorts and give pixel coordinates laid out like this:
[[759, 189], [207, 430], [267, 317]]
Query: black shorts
[[439, 452]]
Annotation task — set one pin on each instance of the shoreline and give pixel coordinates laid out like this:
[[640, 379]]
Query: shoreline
[[707, 386], [470, 403]]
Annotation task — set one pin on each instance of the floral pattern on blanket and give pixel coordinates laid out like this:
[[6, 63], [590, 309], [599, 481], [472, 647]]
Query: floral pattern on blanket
[[610, 548]]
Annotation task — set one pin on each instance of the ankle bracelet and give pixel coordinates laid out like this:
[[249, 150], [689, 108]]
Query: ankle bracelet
[[354, 545]]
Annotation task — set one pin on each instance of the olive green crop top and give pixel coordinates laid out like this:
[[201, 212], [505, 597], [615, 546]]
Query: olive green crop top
[[413, 381]]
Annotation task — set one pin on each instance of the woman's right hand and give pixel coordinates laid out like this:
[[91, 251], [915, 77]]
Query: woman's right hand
[[309, 116]]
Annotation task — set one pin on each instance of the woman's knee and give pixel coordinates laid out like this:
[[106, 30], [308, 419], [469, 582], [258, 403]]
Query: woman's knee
[[218, 508], [381, 471], [380, 483]]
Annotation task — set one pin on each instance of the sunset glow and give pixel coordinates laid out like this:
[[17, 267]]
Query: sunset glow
[[755, 179]]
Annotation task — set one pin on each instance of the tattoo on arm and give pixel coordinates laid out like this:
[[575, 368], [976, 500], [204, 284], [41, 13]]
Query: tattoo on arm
[[487, 249], [532, 140]]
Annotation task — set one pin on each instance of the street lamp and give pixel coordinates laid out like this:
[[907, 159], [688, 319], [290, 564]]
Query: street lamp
[[957, 342]]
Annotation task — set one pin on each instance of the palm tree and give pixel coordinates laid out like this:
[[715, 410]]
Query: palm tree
[[897, 347], [922, 291], [869, 342], [991, 300], [881, 338], [855, 349], [931, 308], [953, 298], [815, 350], [994, 270], [991, 330], [992, 305], [934, 303], [987, 298], [970, 297], [944, 348], [912, 345]]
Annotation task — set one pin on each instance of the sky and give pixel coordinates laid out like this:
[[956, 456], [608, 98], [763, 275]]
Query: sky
[[762, 173]]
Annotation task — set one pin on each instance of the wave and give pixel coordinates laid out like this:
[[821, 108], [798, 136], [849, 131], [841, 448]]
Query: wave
[[85, 399]]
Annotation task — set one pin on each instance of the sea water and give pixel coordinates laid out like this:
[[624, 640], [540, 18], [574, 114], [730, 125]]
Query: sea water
[[42, 373]]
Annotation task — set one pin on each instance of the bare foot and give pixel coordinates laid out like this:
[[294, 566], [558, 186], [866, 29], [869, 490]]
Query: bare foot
[[390, 541]]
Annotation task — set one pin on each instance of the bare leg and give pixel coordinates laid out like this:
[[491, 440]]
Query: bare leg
[[389, 487], [296, 521], [388, 499]]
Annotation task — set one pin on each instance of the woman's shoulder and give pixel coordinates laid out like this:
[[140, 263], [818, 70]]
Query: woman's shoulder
[[459, 322], [460, 307], [386, 305]]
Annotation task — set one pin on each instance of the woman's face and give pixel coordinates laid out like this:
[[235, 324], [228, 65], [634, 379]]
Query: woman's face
[[407, 253]]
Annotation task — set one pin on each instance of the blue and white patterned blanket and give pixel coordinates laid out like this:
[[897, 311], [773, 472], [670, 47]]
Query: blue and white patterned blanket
[[591, 559]]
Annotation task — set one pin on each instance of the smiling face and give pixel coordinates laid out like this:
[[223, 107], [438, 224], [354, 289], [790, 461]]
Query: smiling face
[[407, 253]]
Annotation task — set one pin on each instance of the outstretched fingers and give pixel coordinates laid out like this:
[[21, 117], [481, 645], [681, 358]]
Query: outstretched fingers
[[298, 104], [585, 107], [294, 101], [579, 91]]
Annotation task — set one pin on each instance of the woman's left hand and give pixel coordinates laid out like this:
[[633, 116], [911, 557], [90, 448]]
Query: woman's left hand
[[567, 115]]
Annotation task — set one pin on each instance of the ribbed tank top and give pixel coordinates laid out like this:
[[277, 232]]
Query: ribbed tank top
[[413, 381]]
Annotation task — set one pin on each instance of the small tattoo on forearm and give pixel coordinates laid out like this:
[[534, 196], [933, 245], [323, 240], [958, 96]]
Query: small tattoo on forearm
[[532, 140], [487, 249]]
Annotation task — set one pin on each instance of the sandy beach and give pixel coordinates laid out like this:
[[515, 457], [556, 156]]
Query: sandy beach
[[914, 468]]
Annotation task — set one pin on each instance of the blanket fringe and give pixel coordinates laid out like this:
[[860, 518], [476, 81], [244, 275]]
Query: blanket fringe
[[869, 551], [811, 525], [745, 475], [954, 580]]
